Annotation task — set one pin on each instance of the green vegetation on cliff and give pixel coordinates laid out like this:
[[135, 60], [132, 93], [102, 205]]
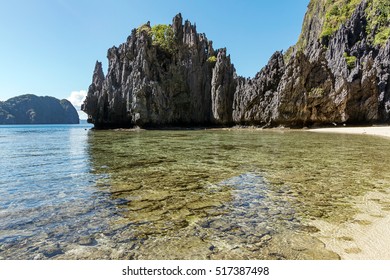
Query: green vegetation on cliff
[[324, 17], [378, 18], [144, 28], [337, 13], [350, 60], [161, 34], [212, 59], [378, 21], [287, 54], [312, 22]]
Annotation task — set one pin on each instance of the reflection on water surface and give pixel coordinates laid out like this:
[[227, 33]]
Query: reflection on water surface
[[234, 194], [219, 194]]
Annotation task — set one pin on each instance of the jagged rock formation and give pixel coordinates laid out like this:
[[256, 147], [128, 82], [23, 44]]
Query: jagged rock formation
[[255, 100], [150, 83], [32, 109], [338, 72], [335, 79]]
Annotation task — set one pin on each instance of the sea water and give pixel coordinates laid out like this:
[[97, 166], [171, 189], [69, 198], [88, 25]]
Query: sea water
[[69, 192]]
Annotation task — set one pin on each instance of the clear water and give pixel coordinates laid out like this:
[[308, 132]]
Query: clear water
[[68, 192]]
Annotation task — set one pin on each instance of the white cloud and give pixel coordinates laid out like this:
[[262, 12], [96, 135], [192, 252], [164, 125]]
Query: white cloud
[[77, 97]]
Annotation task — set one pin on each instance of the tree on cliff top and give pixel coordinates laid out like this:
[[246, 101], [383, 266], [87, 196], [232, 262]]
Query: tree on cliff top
[[161, 34]]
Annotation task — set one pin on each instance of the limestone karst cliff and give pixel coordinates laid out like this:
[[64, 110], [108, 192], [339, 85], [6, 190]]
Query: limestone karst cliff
[[338, 72], [32, 109], [163, 75]]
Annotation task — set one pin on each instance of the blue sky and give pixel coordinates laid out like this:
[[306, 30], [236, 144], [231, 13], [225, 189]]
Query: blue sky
[[49, 47]]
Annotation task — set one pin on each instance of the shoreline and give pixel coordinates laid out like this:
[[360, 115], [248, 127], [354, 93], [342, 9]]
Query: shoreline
[[367, 236], [383, 131]]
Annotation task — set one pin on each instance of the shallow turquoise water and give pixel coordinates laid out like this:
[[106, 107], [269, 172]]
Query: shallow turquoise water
[[73, 193]]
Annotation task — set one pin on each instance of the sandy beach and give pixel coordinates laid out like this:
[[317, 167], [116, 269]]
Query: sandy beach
[[383, 131], [367, 236]]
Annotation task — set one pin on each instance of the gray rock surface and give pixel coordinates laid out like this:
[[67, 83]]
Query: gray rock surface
[[341, 78], [149, 85], [255, 100], [222, 89]]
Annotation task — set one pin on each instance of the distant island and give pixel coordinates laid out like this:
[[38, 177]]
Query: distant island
[[32, 109], [170, 75]]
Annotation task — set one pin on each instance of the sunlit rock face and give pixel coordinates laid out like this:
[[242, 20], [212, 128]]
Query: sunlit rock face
[[170, 75], [342, 77], [180, 80]]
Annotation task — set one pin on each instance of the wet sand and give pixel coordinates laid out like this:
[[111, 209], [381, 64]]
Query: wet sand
[[367, 236]]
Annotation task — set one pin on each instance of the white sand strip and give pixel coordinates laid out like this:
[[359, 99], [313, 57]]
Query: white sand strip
[[371, 130]]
